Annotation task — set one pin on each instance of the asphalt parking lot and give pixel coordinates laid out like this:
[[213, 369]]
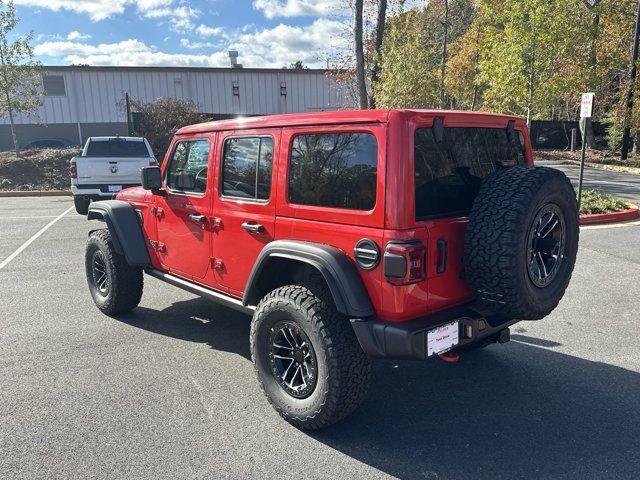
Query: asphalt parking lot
[[618, 184], [168, 391]]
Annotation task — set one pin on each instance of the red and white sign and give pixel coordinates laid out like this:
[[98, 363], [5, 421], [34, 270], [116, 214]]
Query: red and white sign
[[586, 105], [442, 339]]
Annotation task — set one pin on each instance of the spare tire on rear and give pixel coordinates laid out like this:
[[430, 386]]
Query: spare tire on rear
[[521, 241]]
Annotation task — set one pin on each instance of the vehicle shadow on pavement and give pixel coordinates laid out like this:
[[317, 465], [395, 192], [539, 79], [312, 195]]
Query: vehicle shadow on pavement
[[512, 411], [197, 320], [508, 411]]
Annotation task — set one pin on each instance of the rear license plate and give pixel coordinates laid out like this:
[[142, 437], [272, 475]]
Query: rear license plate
[[115, 188], [441, 339]]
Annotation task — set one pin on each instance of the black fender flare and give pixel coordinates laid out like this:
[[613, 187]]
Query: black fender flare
[[126, 232], [338, 270]]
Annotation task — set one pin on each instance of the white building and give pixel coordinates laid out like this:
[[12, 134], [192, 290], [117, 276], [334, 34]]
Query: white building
[[80, 102]]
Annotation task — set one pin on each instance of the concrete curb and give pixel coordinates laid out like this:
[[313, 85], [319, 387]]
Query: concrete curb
[[36, 193], [611, 217], [604, 166]]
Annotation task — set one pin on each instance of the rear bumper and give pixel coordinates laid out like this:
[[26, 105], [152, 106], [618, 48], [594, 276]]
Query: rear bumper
[[409, 339], [96, 191]]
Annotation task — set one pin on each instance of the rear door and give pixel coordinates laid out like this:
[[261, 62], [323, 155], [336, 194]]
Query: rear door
[[244, 203], [449, 168], [114, 161], [184, 239]]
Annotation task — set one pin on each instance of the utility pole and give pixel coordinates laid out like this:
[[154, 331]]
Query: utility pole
[[128, 108], [632, 79]]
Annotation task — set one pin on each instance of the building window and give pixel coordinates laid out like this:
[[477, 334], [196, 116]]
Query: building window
[[53, 85], [334, 170], [246, 171]]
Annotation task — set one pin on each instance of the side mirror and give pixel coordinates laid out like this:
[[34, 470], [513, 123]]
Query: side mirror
[[151, 178]]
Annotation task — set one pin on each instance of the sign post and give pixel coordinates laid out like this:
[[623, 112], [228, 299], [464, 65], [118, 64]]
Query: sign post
[[586, 110]]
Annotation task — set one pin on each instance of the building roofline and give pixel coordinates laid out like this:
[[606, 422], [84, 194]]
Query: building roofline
[[188, 69]]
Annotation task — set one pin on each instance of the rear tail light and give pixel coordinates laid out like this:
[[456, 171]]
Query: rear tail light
[[405, 262], [73, 169]]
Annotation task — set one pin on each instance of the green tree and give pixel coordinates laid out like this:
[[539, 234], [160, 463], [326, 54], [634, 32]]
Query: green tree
[[298, 65], [525, 54], [407, 79], [414, 54], [20, 79], [463, 79]]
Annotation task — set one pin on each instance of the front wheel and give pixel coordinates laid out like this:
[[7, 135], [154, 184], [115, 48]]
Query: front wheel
[[116, 287], [307, 358]]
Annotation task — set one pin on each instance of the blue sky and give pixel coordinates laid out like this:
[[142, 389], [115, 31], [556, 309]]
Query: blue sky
[[267, 33]]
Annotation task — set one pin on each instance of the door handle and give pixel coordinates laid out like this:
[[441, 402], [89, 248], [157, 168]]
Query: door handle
[[253, 227], [198, 219]]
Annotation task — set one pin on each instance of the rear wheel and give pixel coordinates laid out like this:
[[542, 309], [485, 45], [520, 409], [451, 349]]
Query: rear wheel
[[81, 204], [116, 287], [307, 358]]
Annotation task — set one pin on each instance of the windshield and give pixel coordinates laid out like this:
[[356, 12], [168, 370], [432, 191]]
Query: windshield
[[117, 148]]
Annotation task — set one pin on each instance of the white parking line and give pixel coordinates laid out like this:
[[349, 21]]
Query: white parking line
[[36, 216], [6, 261]]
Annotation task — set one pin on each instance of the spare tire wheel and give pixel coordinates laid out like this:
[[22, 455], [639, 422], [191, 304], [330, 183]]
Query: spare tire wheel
[[521, 241]]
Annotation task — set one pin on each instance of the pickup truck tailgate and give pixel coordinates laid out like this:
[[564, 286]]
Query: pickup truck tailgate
[[109, 170]]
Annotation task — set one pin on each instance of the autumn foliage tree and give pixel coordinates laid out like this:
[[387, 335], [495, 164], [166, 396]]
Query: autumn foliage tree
[[158, 120]]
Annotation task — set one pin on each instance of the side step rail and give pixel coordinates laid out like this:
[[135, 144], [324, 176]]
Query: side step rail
[[204, 292]]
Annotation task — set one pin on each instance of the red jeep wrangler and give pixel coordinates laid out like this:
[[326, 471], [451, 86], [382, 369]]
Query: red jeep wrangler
[[346, 235]]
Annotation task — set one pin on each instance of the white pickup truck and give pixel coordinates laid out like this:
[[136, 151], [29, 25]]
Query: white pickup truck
[[106, 166]]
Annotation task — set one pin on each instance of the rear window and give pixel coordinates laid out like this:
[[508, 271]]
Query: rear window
[[117, 148], [334, 170], [448, 174]]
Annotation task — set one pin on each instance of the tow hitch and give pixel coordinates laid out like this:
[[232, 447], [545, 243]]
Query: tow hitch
[[449, 357]]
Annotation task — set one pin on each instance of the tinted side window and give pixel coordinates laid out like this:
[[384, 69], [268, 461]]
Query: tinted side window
[[334, 170], [247, 164], [448, 174], [188, 167]]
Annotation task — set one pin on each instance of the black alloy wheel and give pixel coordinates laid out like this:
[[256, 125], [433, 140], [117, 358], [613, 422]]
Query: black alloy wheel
[[293, 360], [546, 245]]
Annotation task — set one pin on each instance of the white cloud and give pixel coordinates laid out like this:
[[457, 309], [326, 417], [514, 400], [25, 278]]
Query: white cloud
[[96, 9], [285, 44], [297, 8], [126, 53], [207, 31], [76, 35], [180, 17], [186, 43], [275, 47]]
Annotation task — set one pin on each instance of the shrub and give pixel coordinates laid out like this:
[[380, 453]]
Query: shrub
[[594, 201], [158, 120]]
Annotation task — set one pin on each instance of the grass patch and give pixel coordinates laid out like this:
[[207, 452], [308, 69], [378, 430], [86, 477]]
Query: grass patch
[[594, 201]]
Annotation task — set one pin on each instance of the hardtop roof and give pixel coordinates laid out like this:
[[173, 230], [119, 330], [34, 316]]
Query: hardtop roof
[[327, 118]]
